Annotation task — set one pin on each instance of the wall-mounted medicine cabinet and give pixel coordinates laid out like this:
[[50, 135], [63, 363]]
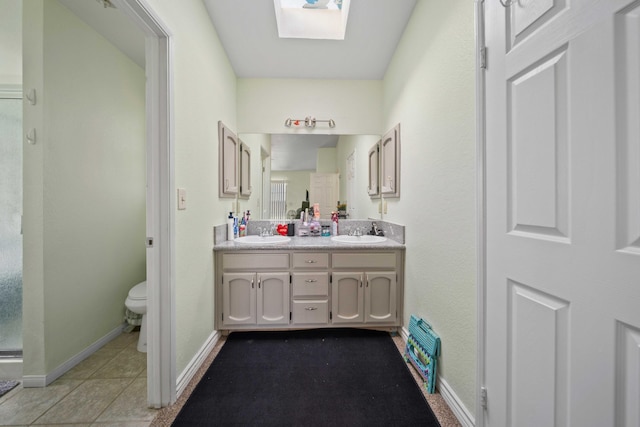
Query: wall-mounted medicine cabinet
[[234, 165], [384, 166], [374, 163]]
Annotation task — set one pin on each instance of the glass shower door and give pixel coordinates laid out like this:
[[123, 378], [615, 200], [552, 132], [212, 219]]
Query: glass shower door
[[10, 227]]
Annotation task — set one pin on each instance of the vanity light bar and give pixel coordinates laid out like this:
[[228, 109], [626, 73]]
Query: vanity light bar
[[308, 121]]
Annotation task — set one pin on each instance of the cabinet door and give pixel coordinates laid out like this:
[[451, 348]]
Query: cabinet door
[[374, 176], [390, 163], [245, 170], [238, 299], [273, 299], [380, 297], [347, 298], [229, 148]]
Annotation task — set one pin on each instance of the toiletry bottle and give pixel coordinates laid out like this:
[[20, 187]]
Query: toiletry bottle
[[230, 226], [334, 223], [243, 226], [235, 227]]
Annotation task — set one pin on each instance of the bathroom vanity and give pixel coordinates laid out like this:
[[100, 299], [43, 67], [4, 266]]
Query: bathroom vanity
[[308, 282]]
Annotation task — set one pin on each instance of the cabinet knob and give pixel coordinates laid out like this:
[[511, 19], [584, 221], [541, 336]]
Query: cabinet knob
[[311, 261], [311, 308], [311, 280]]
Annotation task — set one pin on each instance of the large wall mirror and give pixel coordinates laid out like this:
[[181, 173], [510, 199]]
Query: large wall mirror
[[293, 169]]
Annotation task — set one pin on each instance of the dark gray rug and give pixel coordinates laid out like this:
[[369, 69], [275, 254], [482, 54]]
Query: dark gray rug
[[324, 377], [6, 386]]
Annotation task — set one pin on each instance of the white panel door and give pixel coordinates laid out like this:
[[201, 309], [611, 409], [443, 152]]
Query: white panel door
[[325, 190], [562, 301]]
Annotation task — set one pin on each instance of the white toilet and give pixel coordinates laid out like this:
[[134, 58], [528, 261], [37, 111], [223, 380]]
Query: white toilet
[[137, 302]]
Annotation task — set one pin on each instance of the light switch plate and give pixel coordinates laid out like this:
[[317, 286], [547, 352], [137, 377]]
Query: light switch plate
[[182, 199]]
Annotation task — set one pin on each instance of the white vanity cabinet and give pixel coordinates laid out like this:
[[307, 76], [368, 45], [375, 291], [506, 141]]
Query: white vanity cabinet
[[287, 289]]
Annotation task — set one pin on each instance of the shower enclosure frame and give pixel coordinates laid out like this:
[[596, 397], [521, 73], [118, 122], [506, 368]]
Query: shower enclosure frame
[[11, 360]]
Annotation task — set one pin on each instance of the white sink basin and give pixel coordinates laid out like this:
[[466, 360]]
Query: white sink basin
[[262, 240], [366, 239]]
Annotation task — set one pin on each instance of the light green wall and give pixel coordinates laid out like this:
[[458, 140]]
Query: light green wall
[[429, 89], [204, 92], [326, 160], [84, 195], [354, 105], [10, 42]]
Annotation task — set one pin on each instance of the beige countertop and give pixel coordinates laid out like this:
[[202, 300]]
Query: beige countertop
[[308, 243]]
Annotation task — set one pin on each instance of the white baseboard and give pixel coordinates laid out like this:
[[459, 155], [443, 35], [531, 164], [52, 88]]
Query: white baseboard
[[457, 407], [45, 380], [189, 372], [455, 404], [11, 369]]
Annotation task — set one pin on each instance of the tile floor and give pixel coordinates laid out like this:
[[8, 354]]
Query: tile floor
[[106, 389]]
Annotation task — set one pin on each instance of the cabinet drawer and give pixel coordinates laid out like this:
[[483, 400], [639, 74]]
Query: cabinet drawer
[[310, 284], [311, 312], [364, 260], [311, 260], [231, 261]]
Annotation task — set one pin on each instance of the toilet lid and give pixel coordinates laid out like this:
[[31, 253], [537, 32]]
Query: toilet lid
[[139, 291]]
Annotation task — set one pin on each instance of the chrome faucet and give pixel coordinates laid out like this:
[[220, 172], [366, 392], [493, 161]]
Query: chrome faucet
[[375, 231], [265, 232], [355, 232]]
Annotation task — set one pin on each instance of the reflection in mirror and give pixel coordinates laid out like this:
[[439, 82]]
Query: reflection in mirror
[[296, 170]]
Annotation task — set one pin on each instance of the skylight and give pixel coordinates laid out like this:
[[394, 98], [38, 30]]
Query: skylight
[[312, 19]]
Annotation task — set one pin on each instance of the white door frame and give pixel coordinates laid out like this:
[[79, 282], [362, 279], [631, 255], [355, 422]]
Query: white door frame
[[481, 228], [161, 346]]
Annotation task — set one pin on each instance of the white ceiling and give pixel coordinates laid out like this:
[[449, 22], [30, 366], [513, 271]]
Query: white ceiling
[[249, 34]]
